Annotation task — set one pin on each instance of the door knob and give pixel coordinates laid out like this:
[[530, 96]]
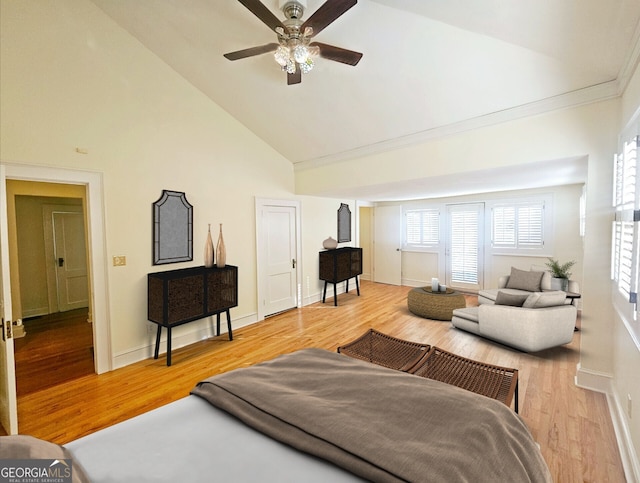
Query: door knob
[[61, 262]]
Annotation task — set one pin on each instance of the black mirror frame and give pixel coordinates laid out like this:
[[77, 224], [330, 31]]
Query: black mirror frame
[[172, 230], [344, 223]]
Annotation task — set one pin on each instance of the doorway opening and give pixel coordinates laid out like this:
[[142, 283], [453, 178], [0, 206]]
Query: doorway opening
[[55, 343], [90, 184]]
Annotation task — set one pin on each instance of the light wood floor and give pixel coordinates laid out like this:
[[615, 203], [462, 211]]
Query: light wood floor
[[572, 425]]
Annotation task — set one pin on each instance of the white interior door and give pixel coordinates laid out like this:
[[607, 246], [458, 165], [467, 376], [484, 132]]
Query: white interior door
[[70, 260], [464, 248], [278, 257], [8, 398], [387, 258]]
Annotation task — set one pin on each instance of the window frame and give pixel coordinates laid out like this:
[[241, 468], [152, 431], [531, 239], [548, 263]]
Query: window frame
[[428, 246], [518, 247], [624, 236]]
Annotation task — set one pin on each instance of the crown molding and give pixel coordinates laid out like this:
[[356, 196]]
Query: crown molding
[[631, 62], [587, 95]]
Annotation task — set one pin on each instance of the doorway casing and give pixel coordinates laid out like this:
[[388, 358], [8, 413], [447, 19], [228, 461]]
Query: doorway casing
[[92, 181]]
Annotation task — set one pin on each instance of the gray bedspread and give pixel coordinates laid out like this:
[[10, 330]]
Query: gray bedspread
[[380, 424]]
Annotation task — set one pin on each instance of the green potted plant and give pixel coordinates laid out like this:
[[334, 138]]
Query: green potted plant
[[560, 272]]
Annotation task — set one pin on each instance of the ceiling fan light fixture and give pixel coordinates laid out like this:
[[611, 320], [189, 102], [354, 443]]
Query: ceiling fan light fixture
[[300, 53], [295, 52], [306, 66], [290, 67], [282, 55]]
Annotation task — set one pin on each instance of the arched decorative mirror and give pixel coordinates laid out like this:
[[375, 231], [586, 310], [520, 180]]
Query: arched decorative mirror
[[344, 223], [172, 228]]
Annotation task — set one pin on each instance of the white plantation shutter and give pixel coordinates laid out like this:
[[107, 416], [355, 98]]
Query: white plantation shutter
[[423, 227], [464, 247], [530, 224], [625, 227], [518, 225], [504, 226]]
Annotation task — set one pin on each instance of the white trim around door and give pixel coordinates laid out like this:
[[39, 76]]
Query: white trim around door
[[96, 245]]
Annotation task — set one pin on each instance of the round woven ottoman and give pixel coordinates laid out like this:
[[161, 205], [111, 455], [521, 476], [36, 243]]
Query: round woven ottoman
[[435, 305]]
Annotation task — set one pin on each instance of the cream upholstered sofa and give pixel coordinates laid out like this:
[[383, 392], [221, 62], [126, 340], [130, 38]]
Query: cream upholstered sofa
[[524, 282], [528, 322]]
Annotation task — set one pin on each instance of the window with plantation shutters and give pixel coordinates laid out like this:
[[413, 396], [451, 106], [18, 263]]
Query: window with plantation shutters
[[464, 246], [422, 228], [624, 263], [518, 225]]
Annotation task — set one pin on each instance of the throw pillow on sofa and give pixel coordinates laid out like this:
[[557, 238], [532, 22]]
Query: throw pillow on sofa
[[539, 300], [525, 280], [514, 300]]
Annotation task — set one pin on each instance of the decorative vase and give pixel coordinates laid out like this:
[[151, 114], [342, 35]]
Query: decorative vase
[[221, 251], [208, 250], [330, 243]]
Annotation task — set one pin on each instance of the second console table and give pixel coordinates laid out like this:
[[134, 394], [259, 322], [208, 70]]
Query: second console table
[[339, 265]]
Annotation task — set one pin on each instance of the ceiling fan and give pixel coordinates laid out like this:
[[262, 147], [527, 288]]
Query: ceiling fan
[[294, 50]]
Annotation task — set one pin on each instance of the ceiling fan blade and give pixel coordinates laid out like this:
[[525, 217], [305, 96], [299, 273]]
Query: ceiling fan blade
[[242, 54], [257, 8], [327, 13], [294, 78], [338, 53]]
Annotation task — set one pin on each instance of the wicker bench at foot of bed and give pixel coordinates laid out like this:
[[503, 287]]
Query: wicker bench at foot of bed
[[496, 382], [422, 360], [384, 350]]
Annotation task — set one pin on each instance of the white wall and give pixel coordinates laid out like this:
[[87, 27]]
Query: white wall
[[585, 131], [626, 324], [319, 222], [565, 243], [71, 78]]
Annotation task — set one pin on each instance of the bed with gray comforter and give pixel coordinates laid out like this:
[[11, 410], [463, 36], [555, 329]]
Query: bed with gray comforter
[[315, 415]]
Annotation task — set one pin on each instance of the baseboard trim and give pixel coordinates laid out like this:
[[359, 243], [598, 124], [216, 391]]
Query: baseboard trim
[[198, 331], [602, 382], [593, 380], [628, 454]]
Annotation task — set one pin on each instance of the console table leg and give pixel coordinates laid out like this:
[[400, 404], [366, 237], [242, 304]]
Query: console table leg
[[218, 323], [335, 295], [357, 286], [229, 325], [168, 346], [324, 292], [158, 333], [347, 286]]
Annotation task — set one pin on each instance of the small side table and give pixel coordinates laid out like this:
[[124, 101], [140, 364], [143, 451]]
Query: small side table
[[573, 297]]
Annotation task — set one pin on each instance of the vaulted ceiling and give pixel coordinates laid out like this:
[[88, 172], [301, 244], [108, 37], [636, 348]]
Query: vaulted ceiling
[[429, 66]]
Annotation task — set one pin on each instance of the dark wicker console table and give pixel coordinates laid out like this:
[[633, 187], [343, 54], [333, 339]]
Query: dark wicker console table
[[339, 265], [177, 297]]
